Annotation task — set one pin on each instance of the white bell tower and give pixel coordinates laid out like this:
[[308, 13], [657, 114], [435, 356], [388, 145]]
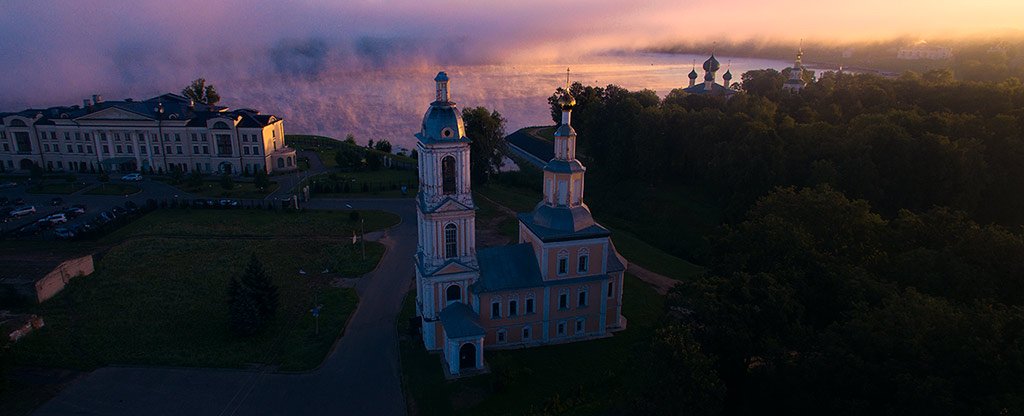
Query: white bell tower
[[446, 253]]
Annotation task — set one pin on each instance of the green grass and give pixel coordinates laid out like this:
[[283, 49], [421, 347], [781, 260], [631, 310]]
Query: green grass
[[487, 212], [384, 183], [158, 296], [63, 188], [651, 258], [114, 189], [543, 133], [241, 190], [590, 374]]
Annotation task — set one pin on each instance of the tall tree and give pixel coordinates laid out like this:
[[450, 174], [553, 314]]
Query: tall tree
[[200, 92], [487, 130], [252, 299]]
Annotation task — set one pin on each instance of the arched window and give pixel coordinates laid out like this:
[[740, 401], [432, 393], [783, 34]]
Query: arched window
[[453, 294], [280, 162], [583, 262], [17, 123], [448, 175], [289, 160], [220, 125], [450, 241]]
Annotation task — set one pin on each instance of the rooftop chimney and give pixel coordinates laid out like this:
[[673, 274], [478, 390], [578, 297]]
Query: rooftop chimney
[[85, 104], [96, 98]]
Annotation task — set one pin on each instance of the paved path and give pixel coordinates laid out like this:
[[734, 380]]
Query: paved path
[[361, 376]]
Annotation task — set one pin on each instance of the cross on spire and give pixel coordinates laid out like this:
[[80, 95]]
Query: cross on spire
[[567, 79]]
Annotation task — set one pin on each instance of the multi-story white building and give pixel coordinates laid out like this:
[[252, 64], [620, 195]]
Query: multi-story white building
[[161, 134]]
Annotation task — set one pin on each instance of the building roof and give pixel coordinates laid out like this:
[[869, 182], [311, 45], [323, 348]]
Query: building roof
[[564, 166], [442, 118], [507, 267], [555, 217], [716, 89], [175, 107], [459, 321]]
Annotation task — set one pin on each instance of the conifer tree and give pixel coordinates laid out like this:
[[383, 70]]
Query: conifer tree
[[252, 299]]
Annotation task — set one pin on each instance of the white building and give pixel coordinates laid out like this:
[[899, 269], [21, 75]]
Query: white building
[[161, 134], [922, 50]]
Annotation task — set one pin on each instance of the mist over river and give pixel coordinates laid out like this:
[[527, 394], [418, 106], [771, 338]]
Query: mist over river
[[389, 103]]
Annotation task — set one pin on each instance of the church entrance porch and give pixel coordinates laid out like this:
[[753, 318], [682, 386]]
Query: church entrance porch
[[467, 356]]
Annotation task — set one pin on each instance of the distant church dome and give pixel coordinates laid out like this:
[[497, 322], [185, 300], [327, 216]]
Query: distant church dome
[[711, 65], [727, 75], [442, 120], [693, 74]]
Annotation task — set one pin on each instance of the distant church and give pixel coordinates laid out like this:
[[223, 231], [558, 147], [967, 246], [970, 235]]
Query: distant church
[[709, 86], [561, 283], [796, 83]]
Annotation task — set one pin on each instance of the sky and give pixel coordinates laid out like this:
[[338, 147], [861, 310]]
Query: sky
[[57, 52]]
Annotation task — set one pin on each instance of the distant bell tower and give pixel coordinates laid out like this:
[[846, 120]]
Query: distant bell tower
[[446, 262]]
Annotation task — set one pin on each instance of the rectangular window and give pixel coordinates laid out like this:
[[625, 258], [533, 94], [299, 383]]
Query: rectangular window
[[67, 136], [513, 308], [563, 265], [142, 149], [246, 150], [60, 165], [208, 168], [78, 135], [177, 137], [88, 148], [495, 310], [106, 149], [580, 325], [156, 150], [584, 264], [563, 301], [7, 148], [526, 333], [529, 305], [204, 137], [71, 149], [561, 328], [103, 136], [87, 136], [118, 148], [117, 137], [255, 150], [194, 138], [195, 149], [611, 290], [46, 147], [501, 336], [206, 150], [167, 137], [179, 150], [582, 301]]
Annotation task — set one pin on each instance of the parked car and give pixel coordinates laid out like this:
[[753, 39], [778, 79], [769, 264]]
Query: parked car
[[118, 210], [74, 212], [59, 218], [17, 212], [228, 203], [105, 217], [57, 201], [64, 233], [133, 177], [131, 206]]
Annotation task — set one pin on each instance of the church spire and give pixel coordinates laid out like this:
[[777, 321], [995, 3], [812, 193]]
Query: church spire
[[441, 92]]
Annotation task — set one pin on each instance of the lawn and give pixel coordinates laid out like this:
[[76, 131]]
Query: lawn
[[588, 377], [241, 190], [383, 183], [158, 297], [63, 188], [114, 189]]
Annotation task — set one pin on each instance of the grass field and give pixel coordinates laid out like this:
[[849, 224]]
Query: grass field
[[114, 189], [588, 377], [158, 296], [241, 190], [63, 188], [383, 183]]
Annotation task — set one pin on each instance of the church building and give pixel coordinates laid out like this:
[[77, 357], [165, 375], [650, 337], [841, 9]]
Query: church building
[[562, 281], [709, 86]]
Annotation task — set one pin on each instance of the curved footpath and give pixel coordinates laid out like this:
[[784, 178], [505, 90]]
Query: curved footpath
[[361, 375]]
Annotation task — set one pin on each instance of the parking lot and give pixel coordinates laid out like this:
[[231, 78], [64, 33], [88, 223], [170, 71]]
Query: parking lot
[[45, 204]]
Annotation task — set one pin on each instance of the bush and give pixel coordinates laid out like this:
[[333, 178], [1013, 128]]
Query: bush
[[103, 177], [227, 182], [195, 179], [252, 299]]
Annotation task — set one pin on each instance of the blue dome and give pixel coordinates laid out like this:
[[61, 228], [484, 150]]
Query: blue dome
[[727, 75], [441, 76], [693, 74], [443, 122]]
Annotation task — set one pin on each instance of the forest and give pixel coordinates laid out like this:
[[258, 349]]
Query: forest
[[870, 256]]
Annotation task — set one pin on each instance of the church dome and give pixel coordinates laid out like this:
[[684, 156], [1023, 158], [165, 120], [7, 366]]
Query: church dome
[[711, 65], [727, 75], [566, 101], [693, 74], [443, 122]]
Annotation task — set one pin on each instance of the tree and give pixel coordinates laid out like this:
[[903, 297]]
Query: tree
[[227, 182], [348, 158], [373, 161], [350, 139], [383, 145], [195, 179], [201, 93], [252, 299], [486, 129], [260, 179]]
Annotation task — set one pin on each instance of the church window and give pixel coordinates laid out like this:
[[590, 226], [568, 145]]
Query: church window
[[611, 289], [580, 325], [502, 336], [583, 265], [453, 293], [529, 305], [563, 265], [448, 175], [582, 300], [495, 309], [526, 333], [563, 301], [561, 328], [450, 241], [513, 307], [562, 192]]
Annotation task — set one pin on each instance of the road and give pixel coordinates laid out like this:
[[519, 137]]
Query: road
[[361, 375]]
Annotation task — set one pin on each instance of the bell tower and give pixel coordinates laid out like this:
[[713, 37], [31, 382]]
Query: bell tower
[[446, 262]]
